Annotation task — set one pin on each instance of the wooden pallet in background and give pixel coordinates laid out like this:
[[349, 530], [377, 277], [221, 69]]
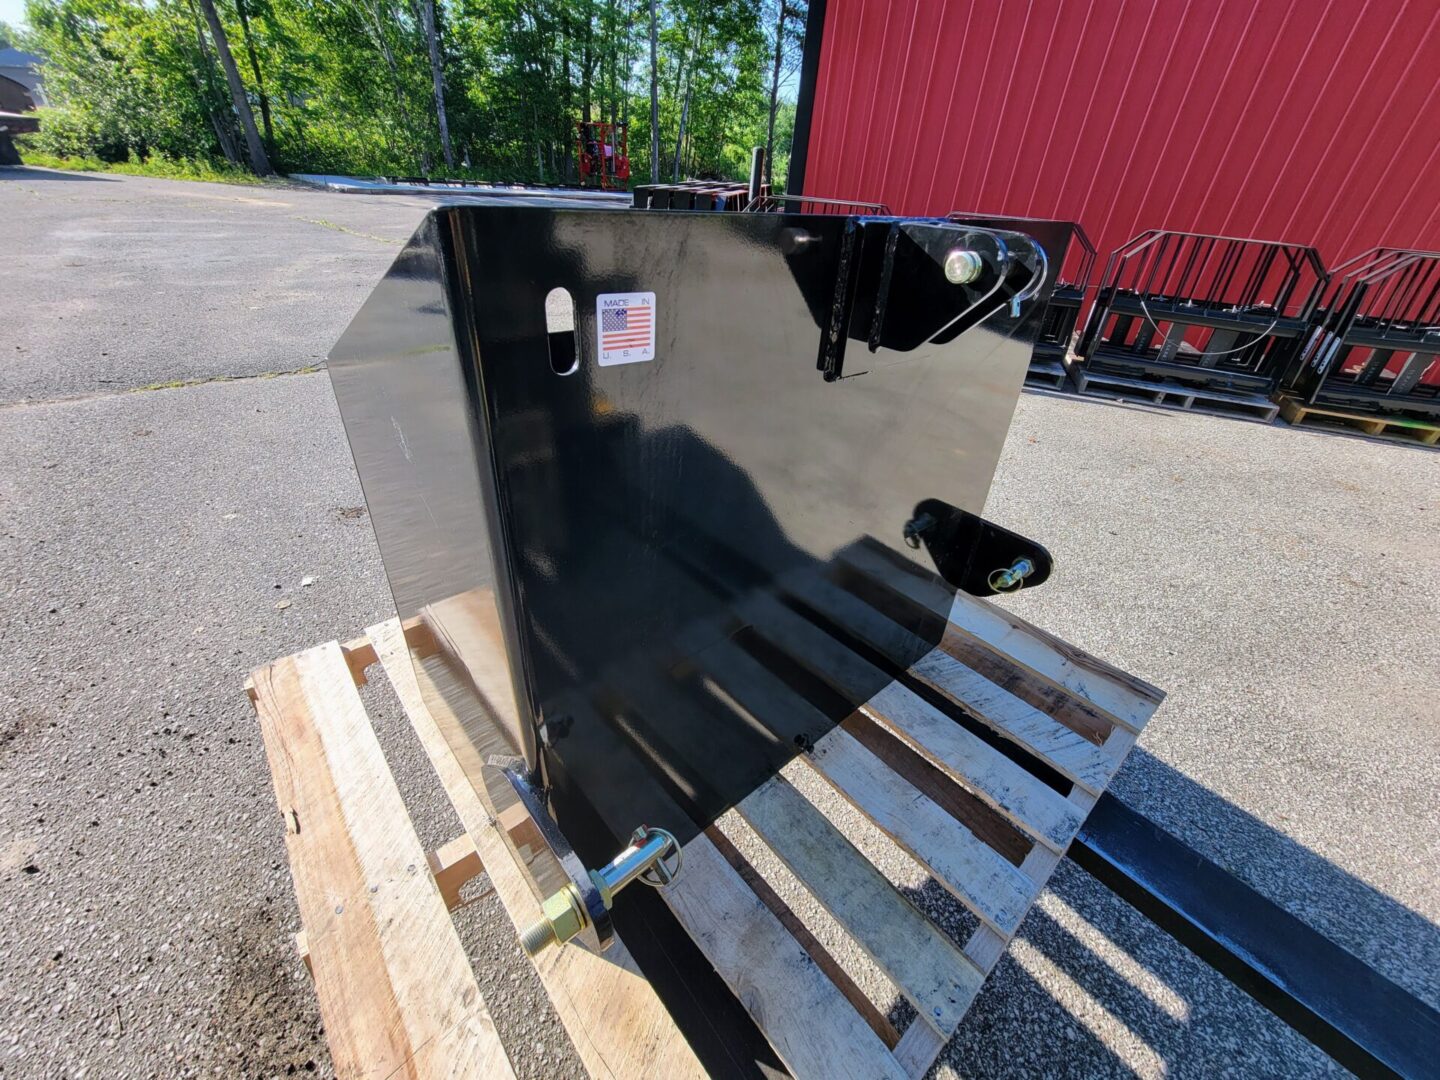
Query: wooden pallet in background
[[980, 761], [1170, 394], [1396, 428]]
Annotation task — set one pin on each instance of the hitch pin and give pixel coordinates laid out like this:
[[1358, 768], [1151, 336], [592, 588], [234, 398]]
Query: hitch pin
[[653, 857]]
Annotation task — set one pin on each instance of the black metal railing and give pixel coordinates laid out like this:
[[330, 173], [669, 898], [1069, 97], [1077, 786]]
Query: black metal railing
[[692, 195], [1375, 342], [1218, 311], [813, 204]]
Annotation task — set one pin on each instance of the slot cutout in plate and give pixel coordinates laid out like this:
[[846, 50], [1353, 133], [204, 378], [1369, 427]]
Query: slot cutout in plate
[[560, 331]]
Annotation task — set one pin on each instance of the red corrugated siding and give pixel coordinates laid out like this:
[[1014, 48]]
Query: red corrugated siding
[[1311, 121]]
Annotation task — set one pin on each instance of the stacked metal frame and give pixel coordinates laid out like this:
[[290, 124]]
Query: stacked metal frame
[[1070, 268], [1216, 311], [1375, 343], [692, 195], [813, 204]]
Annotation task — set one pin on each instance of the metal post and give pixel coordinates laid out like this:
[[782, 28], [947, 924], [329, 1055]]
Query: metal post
[[757, 171]]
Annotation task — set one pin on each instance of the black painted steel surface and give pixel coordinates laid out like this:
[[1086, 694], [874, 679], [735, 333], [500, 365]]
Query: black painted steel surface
[[801, 384]]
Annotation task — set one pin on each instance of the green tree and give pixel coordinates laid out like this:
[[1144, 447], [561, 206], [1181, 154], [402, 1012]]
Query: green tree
[[480, 88]]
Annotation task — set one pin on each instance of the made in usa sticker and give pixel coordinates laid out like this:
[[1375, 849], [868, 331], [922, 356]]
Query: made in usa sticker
[[625, 327]]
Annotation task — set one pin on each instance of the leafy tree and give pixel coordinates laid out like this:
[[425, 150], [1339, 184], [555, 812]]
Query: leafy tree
[[477, 88]]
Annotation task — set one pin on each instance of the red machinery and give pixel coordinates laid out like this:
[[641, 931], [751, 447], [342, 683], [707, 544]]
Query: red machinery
[[603, 161]]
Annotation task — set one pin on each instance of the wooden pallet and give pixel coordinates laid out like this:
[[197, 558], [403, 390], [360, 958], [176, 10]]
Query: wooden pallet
[[1397, 428], [980, 762], [1170, 394]]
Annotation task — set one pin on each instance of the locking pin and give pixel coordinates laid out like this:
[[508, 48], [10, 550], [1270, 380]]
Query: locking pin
[[653, 857]]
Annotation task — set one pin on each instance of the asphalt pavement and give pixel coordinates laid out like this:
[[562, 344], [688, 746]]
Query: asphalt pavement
[[1281, 585]]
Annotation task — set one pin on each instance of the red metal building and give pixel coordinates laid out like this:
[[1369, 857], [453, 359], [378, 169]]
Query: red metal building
[[1312, 121]]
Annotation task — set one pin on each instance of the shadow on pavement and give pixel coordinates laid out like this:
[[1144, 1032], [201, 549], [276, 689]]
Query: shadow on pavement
[[34, 172], [1121, 997]]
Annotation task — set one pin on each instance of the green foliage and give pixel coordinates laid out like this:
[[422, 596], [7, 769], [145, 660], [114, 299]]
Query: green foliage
[[156, 165], [347, 84]]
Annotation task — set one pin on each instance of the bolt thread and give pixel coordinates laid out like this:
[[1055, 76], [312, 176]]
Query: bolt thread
[[536, 936]]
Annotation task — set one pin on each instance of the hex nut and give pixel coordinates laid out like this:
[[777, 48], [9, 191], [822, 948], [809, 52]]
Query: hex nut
[[564, 912]]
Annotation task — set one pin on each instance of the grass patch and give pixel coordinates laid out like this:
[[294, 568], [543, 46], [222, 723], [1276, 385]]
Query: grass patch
[[325, 224], [181, 384], [156, 165]]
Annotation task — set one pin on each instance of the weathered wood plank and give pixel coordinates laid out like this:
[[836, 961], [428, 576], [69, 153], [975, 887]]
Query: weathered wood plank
[[809, 1023], [1070, 753], [618, 1025], [918, 1048], [985, 946], [395, 988], [1124, 697], [1038, 809], [970, 869], [1034, 806], [982, 819], [977, 875], [922, 962], [1076, 714], [808, 941]]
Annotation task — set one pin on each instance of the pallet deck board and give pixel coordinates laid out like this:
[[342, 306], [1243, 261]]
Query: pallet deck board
[[617, 1023], [1072, 753], [1395, 428], [989, 827], [924, 964], [378, 931], [978, 876], [1122, 697], [800, 1010], [969, 760]]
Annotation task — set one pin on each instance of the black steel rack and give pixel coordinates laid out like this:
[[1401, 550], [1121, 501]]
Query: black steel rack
[[692, 195], [1071, 265], [1376, 338], [1215, 311]]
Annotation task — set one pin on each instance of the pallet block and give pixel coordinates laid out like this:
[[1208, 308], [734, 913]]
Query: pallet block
[[980, 761]]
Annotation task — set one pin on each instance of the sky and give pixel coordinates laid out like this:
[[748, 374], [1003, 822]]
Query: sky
[[12, 12]]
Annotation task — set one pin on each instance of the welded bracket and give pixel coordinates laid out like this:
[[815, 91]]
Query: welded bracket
[[973, 554], [900, 284]]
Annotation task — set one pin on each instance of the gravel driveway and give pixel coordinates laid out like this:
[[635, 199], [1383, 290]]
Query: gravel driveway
[[165, 486]]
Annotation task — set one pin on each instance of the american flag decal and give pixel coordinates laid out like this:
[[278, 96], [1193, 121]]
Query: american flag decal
[[627, 327]]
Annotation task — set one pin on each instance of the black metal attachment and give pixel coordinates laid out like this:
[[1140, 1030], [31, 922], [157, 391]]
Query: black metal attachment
[[1217, 311], [1376, 338], [1072, 261], [1357, 1016], [895, 286], [971, 553]]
